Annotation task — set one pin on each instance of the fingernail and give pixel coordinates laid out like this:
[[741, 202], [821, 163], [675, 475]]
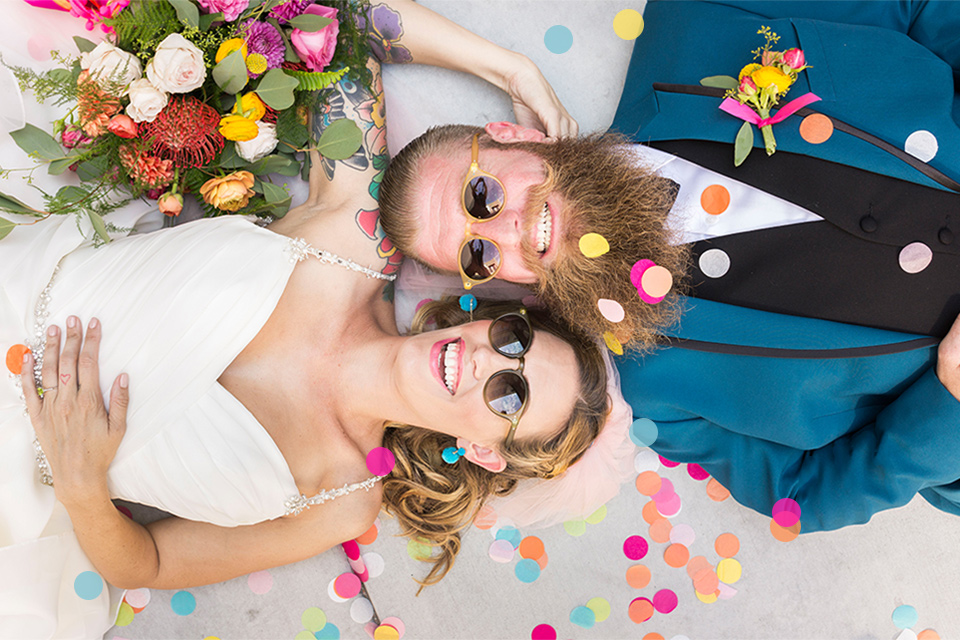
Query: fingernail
[[52, 331], [124, 380], [93, 323], [26, 357], [71, 321]]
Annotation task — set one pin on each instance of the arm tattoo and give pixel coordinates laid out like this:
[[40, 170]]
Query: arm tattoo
[[386, 30]]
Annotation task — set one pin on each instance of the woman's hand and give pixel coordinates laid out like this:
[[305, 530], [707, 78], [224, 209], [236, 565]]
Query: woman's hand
[[78, 436], [948, 360], [536, 105]]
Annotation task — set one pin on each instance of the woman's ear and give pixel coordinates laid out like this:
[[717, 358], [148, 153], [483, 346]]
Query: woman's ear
[[489, 459], [507, 132]]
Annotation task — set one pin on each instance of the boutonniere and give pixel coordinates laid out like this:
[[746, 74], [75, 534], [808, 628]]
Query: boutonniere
[[758, 89]]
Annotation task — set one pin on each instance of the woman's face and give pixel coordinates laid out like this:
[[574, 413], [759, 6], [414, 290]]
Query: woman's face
[[443, 374]]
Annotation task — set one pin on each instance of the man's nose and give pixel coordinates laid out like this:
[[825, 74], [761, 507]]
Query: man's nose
[[505, 229]]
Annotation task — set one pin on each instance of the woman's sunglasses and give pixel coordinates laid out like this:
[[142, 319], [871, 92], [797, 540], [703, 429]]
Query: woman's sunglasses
[[482, 200], [506, 391]]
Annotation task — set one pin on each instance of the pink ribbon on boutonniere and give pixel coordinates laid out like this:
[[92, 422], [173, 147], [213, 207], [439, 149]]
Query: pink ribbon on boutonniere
[[744, 112]]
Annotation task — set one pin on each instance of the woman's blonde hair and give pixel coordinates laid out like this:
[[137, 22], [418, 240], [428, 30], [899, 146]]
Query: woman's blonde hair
[[434, 501]]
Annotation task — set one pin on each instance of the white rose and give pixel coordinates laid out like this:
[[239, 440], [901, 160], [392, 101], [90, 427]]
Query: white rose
[[146, 101], [262, 145], [111, 65], [177, 66]]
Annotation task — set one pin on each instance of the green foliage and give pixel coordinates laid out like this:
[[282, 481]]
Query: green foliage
[[353, 48], [743, 145], [314, 81], [276, 89], [144, 22], [58, 85], [720, 82], [340, 140], [291, 130]]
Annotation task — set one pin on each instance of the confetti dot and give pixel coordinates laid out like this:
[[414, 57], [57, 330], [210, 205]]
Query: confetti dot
[[346, 585], [304, 635], [635, 547], [597, 516], [330, 631], [928, 634], [706, 581], [638, 576], [418, 550], [558, 39], [816, 128], [784, 534], [380, 461], [716, 491], [313, 619], [640, 610], [386, 632], [501, 551], [423, 302], [915, 257], [725, 591], [676, 555], [260, 582], [665, 601], [361, 610], [600, 608], [714, 263], [907, 634], [543, 632], [646, 460], [653, 635], [370, 536], [124, 615], [660, 530], [643, 432], [628, 24], [333, 592], [468, 302], [638, 269], [611, 310], [122, 509], [593, 245], [88, 585], [922, 145], [40, 45], [137, 598], [183, 603], [612, 343], [527, 570], [510, 534], [575, 528], [374, 563], [396, 623], [729, 570], [670, 464], [15, 358], [715, 199], [669, 507], [666, 491], [649, 483], [727, 545], [486, 517], [786, 512], [650, 513], [696, 565], [696, 472], [683, 534], [656, 281], [542, 561], [708, 599], [583, 617], [905, 616], [531, 547]]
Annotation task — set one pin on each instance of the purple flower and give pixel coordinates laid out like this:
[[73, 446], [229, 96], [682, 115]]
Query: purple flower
[[262, 38], [231, 9], [289, 9]]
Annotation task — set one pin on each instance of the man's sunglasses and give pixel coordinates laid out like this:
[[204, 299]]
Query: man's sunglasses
[[506, 391], [482, 200]]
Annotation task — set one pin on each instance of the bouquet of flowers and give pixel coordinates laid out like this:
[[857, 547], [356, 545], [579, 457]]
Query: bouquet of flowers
[[758, 89], [203, 97]]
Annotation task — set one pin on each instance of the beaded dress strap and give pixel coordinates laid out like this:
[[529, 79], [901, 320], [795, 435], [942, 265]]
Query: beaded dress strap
[[298, 503], [300, 249]]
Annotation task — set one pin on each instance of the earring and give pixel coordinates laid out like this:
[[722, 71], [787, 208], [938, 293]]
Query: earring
[[450, 455]]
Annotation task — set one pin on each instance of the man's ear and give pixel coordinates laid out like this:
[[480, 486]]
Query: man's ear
[[489, 459], [507, 132]]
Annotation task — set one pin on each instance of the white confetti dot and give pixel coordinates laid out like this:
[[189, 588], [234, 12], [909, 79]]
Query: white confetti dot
[[646, 460], [714, 263], [333, 594], [374, 563], [611, 309], [138, 598], [361, 610], [907, 634], [915, 257], [922, 145]]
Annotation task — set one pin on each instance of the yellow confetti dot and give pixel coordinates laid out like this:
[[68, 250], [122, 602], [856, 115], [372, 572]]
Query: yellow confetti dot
[[418, 550], [125, 615], [386, 632], [575, 528], [211, 638], [313, 619], [710, 599], [729, 570], [600, 608], [593, 245], [597, 517], [612, 343], [304, 635], [628, 24]]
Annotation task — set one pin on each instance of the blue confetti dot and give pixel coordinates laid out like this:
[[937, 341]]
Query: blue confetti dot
[[643, 432], [527, 570], [88, 585], [905, 616], [468, 302], [558, 39], [329, 631], [583, 617], [510, 534], [183, 603]]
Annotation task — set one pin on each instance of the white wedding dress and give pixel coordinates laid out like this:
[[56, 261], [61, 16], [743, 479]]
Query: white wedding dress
[[176, 306]]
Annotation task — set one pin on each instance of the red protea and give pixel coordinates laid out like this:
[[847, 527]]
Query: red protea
[[185, 132], [146, 171]]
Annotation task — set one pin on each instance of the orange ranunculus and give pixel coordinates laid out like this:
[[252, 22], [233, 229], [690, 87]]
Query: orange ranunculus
[[238, 128], [228, 193], [229, 46], [252, 107], [766, 76]]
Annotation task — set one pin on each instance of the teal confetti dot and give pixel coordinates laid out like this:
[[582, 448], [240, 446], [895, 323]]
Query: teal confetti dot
[[330, 631], [583, 617], [468, 302], [643, 432], [905, 616], [88, 585], [527, 570], [558, 39], [511, 535], [183, 603]]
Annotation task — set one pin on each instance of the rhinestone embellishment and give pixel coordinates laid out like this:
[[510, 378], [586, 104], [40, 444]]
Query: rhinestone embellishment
[[299, 249], [297, 504]]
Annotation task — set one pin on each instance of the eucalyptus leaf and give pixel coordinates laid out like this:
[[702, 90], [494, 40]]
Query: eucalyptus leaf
[[208, 19], [309, 22], [187, 12], [230, 73], [743, 144], [58, 166], [283, 165], [280, 208], [11, 204], [340, 140], [276, 89], [99, 226], [229, 159], [37, 142], [83, 44], [305, 167], [273, 193], [720, 82], [5, 228], [72, 193]]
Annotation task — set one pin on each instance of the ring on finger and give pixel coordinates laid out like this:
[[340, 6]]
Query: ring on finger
[[45, 390]]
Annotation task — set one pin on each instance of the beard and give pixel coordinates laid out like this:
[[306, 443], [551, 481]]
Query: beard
[[606, 191]]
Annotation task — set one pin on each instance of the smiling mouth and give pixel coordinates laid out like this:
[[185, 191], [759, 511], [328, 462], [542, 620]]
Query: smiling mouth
[[449, 364], [544, 230]]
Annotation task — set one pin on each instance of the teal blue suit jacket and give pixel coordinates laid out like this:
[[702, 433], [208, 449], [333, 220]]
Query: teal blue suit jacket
[[846, 420]]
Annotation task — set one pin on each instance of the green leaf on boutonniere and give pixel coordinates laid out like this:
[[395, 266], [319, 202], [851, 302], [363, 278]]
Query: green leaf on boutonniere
[[720, 82], [340, 140], [230, 73], [5, 228], [99, 226], [743, 144], [276, 89], [309, 22], [83, 44], [187, 12], [37, 142], [208, 19]]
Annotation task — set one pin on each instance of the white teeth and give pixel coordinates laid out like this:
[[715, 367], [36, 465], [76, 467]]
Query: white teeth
[[544, 229], [451, 364]]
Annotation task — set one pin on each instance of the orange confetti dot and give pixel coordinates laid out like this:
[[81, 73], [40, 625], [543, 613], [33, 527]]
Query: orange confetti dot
[[369, 536], [785, 534], [656, 281], [727, 545], [15, 358], [660, 530], [696, 565], [640, 610], [816, 128], [716, 491], [648, 483], [653, 636], [542, 561], [715, 199], [531, 547], [650, 513], [928, 634], [706, 581], [638, 576], [676, 555]]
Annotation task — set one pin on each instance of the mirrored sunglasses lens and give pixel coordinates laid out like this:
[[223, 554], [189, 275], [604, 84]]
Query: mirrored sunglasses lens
[[510, 335], [505, 392], [483, 197], [479, 259]]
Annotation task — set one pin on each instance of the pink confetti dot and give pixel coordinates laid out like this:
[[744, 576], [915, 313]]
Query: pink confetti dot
[[543, 632], [396, 623], [260, 582], [669, 507], [683, 534], [665, 601], [380, 461], [786, 512], [668, 463], [346, 585], [696, 472], [423, 302], [636, 272], [635, 547], [666, 491]]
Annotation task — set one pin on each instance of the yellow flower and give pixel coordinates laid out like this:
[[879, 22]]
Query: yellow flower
[[256, 63], [228, 193], [766, 76], [252, 106], [747, 70], [229, 46], [238, 128]]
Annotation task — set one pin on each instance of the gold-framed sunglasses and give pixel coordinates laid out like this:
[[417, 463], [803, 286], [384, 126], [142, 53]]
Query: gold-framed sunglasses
[[506, 392], [482, 200]]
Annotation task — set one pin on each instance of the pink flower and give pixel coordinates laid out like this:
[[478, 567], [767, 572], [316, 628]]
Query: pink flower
[[73, 137], [316, 48], [231, 9], [123, 126], [748, 86], [794, 58]]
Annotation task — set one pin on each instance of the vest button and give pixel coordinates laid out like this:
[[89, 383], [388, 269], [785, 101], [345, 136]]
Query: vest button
[[868, 224], [945, 236]]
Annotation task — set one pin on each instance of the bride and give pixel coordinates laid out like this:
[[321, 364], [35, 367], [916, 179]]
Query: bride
[[254, 378]]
